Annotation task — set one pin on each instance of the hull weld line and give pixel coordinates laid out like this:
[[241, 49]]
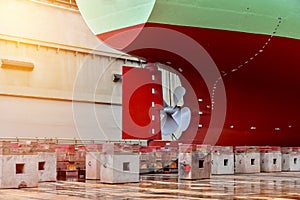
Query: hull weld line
[[234, 69]]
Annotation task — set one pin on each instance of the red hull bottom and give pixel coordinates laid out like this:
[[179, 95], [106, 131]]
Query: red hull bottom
[[259, 72]]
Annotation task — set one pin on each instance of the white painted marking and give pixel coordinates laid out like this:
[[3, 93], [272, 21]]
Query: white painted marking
[[153, 91], [153, 131], [153, 77]]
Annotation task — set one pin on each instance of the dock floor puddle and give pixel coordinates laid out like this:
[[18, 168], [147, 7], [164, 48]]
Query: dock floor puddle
[[284, 185]]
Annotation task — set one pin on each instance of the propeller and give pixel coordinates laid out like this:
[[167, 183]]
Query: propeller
[[175, 118]]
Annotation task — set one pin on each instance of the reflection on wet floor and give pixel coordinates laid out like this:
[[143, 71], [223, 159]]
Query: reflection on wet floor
[[285, 185]]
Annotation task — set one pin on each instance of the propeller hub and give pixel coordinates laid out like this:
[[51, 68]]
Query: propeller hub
[[170, 109]]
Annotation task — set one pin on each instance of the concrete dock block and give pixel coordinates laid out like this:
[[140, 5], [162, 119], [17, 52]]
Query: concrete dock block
[[46, 162], [47, 166], [92, 166], [92, 161], [18, 171], [247, 160], [119, 164], [290, 158], [222, 160], [18, 165], [194, 161], [270, 159]]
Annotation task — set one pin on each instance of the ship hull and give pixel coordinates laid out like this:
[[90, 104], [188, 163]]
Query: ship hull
[[253, 100]]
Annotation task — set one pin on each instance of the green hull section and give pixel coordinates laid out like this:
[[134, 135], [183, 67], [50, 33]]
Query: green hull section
[[251, 16], [105, 15]]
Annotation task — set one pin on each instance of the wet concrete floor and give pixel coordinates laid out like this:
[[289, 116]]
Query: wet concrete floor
[[284, 185]]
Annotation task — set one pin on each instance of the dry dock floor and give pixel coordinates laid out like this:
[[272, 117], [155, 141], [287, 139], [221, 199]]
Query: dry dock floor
[[284, 185]]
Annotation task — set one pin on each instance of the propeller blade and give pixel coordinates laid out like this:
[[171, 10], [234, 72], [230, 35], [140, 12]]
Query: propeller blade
[[170, 126], [185, 118], [177, 116], [178, 94], [163, 118]]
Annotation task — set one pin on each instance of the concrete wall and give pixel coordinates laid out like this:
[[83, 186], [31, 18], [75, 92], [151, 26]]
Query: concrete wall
[[29, 19], [67, 57], [27, 117], [58, 73]]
